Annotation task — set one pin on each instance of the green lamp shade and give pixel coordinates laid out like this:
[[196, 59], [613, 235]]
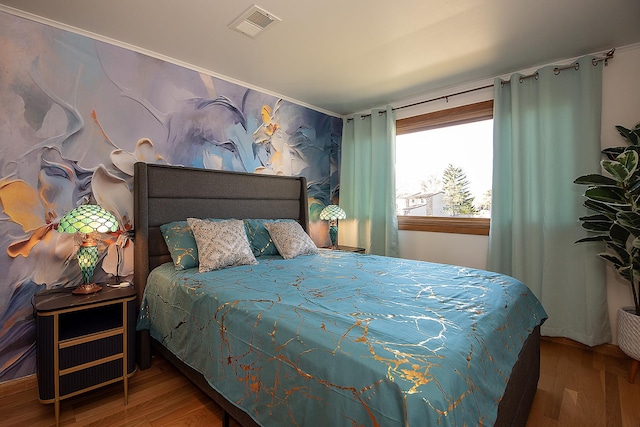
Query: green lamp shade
[[87, 219], [332, 212]]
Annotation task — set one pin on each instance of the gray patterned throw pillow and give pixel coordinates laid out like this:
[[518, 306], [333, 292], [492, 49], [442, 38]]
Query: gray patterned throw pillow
[[221, 244], [290, 239]]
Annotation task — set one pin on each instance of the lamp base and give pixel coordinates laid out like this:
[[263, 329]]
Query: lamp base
[[87, 288], [333, 235]]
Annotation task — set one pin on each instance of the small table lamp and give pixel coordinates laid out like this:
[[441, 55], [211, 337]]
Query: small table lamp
[[333, 213], [88, 220]]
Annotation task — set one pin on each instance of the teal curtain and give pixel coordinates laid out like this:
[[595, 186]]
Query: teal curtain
[[368, 183], [546, 134]]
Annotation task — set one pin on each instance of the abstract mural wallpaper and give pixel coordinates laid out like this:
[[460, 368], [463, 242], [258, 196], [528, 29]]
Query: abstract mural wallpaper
[[76, 114]]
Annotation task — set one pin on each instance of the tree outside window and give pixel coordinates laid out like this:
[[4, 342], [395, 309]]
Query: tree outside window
[[458, 200]]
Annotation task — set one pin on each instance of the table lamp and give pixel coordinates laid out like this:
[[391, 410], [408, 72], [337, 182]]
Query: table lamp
[[333, 213], [87, 220]]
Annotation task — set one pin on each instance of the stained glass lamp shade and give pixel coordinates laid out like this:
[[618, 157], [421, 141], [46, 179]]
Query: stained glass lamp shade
[[88, 220], [333, 213]]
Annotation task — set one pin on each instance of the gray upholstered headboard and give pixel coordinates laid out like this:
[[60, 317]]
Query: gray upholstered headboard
[[163, 194]]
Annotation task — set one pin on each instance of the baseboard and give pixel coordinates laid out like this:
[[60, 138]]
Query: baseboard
[[20, 384], [606, 349]]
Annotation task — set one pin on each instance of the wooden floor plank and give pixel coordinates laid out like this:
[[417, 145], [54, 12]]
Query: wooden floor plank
[[578, 386], [612, 405], [629, 395]]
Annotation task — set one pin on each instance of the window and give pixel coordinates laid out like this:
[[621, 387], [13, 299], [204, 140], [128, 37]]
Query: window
[[444, 170]]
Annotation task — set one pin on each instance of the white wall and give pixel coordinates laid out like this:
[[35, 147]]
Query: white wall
[[620, 106], [460, 249]]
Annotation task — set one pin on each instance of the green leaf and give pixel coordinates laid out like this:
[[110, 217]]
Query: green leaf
[[613, 152], [635, 187], [597, 217], [596, 226], [634, 136], [616, 168], [600, 238], [619, 235], [625, 272], [630, 160], [630, 221], [612, 259], [595, 179], [601, 207], [609, 195], [630, 135], [620, 250]]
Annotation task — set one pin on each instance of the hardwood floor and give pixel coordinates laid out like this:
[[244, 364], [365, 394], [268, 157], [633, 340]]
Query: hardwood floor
[[581, 387], [159, 396], [578, 387]]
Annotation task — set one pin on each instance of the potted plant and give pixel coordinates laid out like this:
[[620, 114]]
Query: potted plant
[[614, 199]]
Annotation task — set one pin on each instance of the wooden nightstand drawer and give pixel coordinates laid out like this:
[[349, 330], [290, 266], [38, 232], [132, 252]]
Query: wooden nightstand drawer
[[90, 351]]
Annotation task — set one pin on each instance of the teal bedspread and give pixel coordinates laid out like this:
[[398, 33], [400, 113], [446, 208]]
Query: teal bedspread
[[343, 339]]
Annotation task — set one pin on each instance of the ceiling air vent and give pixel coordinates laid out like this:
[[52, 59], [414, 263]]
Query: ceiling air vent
[[254, 21]]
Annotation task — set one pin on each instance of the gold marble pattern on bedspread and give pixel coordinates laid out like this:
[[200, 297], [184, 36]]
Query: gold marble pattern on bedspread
[[344, 339]]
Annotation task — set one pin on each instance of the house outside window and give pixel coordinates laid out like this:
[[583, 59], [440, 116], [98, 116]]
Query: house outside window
[[421, 204], [443, 170]]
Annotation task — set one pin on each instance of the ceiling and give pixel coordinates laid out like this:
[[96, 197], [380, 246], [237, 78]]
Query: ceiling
[[345, 56]]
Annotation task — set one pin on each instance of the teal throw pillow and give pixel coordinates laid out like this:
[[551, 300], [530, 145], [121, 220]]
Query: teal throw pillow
[[181, 243]]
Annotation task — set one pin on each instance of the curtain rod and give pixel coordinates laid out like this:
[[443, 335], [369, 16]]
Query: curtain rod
[[446, 97], [595, 61]]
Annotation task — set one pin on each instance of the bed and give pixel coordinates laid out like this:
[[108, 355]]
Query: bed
[[332, 338]]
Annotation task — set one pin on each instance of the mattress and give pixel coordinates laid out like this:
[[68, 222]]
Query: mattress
[[345, 339]]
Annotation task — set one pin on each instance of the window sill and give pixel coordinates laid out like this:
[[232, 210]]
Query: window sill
[[477, 226]]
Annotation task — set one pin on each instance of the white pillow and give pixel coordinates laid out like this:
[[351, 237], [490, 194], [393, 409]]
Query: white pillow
[[221, 244], [290, 239]]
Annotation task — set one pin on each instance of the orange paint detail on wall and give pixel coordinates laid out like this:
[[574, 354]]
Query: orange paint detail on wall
[[22, 204]]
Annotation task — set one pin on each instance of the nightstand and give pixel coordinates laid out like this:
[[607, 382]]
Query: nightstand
[[83, 341], [349, 249]]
